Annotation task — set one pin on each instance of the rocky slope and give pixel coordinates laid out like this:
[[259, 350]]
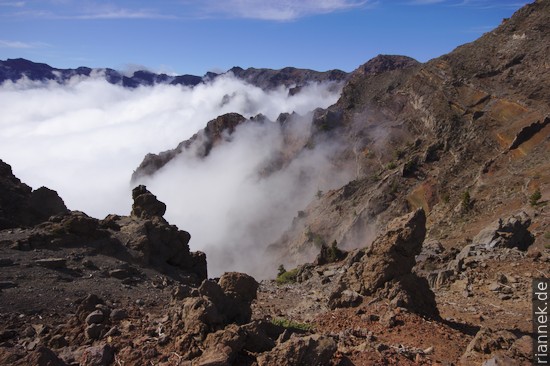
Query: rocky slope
[[15, 69], [444, 211], [126, 290]]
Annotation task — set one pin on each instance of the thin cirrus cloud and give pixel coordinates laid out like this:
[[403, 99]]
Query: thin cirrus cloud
[[12, 4], [21, 45], [68, 9], [274, 10], [480, 4]]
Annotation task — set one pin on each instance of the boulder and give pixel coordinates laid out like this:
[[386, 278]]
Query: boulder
[[487, 342], [20, 206], [102, 355], [200, 316], [239, 286], [42, 356], [385, 268], [305, 350], [45, 202], [511, 232], [221, 348], [146, 204]]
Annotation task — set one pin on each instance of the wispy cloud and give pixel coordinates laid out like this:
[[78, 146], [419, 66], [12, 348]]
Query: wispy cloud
[[275, 10], [121, 14], [67, 9], [479, 4], [13, 4], [21, 45], [425, 2]]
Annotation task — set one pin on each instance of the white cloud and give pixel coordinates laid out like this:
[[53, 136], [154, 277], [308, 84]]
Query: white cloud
[[277, 10], [480, 4], [14, 4], [21, 45], [120, 13], [84, 140]]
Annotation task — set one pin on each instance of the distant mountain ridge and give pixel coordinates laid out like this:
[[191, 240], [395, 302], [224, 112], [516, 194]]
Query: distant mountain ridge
[[15, 69]]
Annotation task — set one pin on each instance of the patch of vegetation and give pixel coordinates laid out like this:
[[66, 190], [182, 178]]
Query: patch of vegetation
[[286, 323], [547, 235], [319, 194], [399, 154], [302, 214], [410, 167], [281, 270], [315, 238], [466, 201], [394, 187], [391, 165], [286, 276], [445, 197], [535, 197], [334, 253]]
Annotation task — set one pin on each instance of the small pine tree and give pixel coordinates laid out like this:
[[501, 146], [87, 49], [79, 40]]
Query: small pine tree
[[281, 270], [466, 200], [535, 197]]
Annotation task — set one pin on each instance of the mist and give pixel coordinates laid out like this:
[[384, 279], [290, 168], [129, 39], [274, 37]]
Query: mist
[[233, 204], [85, 138]]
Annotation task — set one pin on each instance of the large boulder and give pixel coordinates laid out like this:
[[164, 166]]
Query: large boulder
[[20, 206], [511, 232], [390, 256], [146, 205], [385, 268], [301, 350]]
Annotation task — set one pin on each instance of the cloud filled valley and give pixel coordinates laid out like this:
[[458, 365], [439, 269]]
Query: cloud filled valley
[[85, 138]]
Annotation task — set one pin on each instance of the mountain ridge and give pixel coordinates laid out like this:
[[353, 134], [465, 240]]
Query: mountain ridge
[[15, 69]]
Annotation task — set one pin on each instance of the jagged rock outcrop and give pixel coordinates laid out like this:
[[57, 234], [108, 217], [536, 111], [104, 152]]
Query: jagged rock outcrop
[[384, 269], [146, 205], [20, 206], [144, 237], [289, 76], [199, 144]]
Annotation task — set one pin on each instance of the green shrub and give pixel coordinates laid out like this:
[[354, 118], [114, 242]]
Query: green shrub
[[287, 277], [535, 197], [399, 154], [391, 165], [286, 323], [281, 270], [334, 253], [466, 201]]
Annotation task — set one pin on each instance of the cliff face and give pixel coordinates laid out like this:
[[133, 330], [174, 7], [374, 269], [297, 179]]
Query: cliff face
[[422, 135], [473, 122]]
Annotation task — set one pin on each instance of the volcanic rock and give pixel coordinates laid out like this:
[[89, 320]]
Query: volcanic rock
[[386, 267], [305, 350], [20, 206], [511, 232], [146, 205]]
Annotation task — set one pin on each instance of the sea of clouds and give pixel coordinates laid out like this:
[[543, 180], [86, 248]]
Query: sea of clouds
[[84, 139]]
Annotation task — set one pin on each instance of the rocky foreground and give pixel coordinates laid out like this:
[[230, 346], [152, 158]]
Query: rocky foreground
[[126, 290], [448, 213]]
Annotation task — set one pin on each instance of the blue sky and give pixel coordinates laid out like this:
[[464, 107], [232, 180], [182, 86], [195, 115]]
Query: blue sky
[[196, 36]]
